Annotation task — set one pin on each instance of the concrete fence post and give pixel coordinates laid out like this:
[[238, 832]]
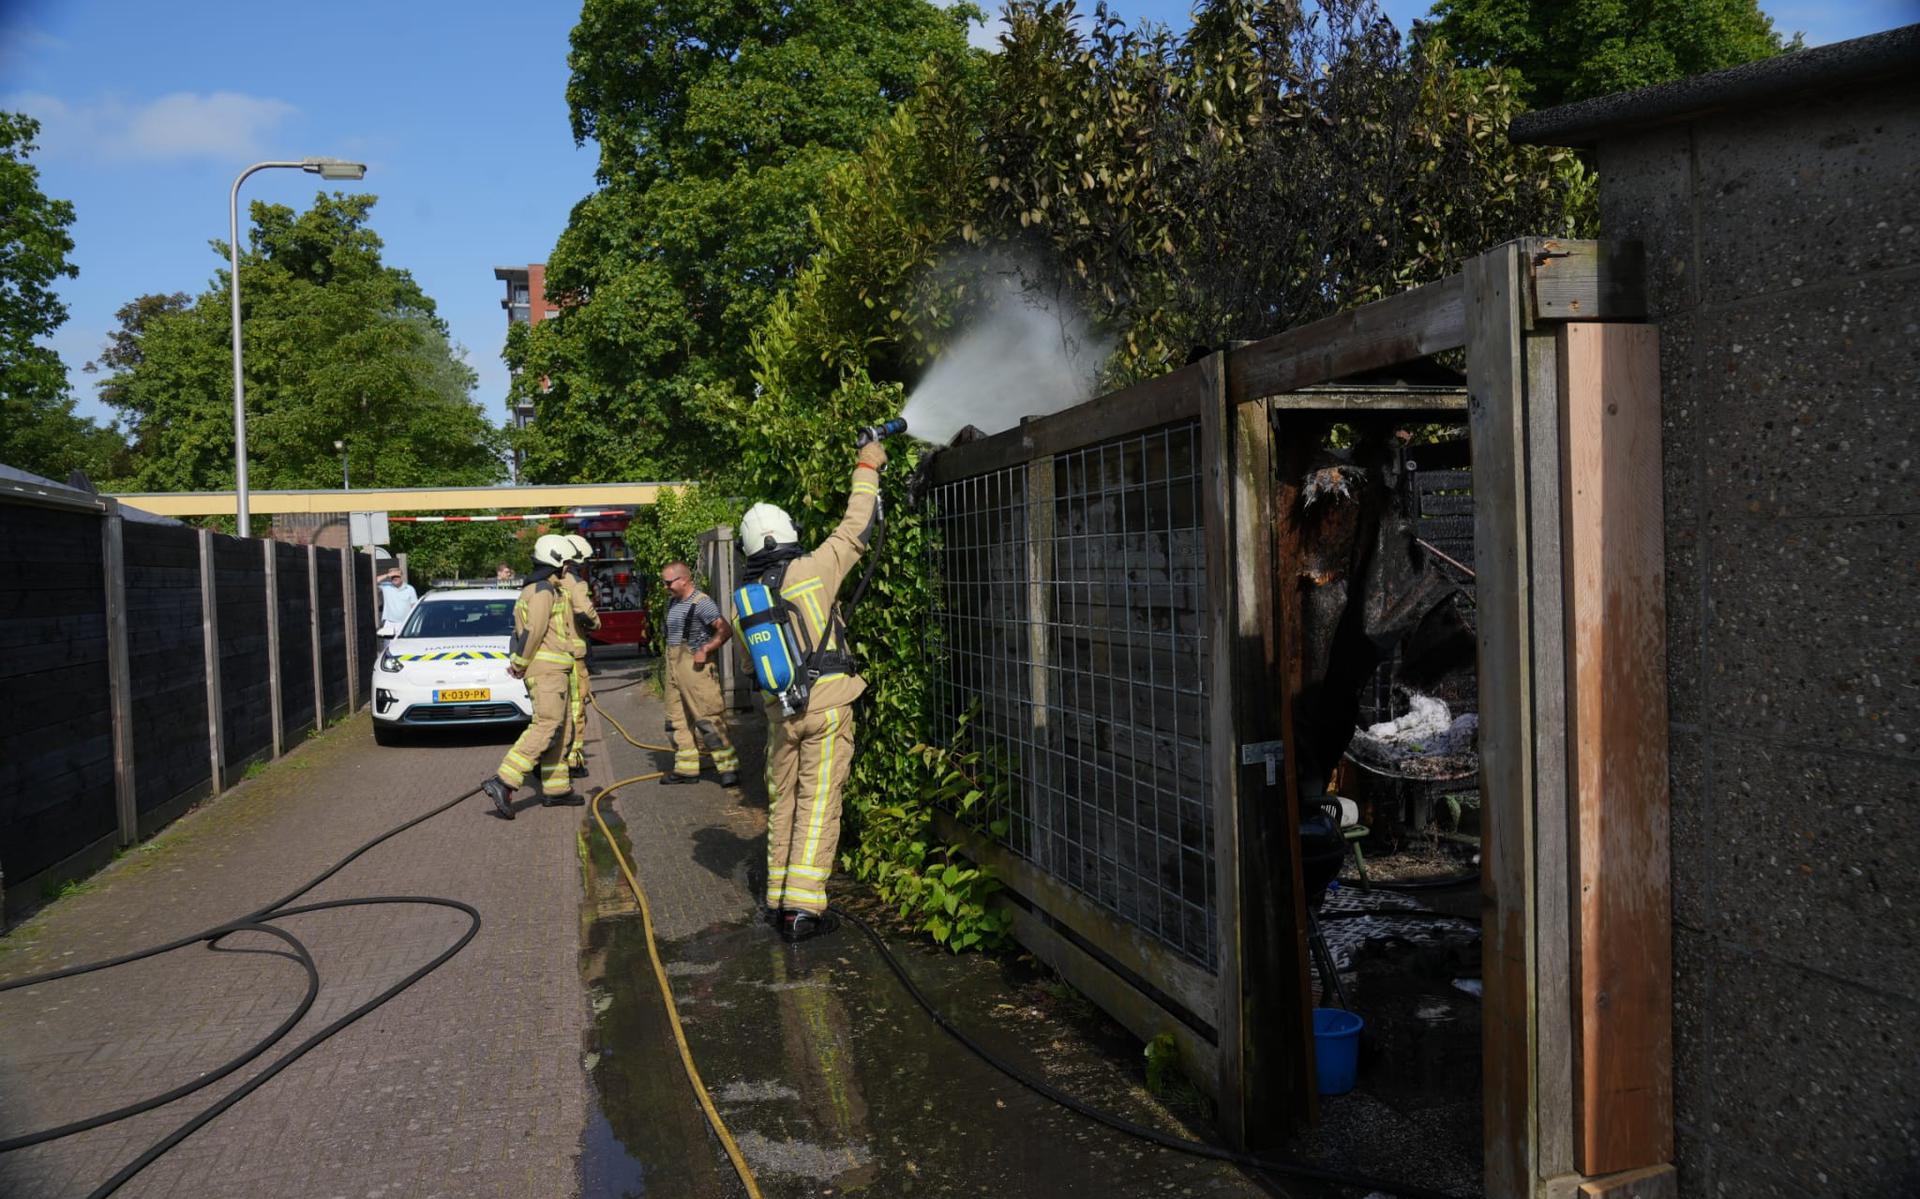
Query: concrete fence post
[[273, 645], [210, 643], [313, 612], [113, 563], [353, 635]]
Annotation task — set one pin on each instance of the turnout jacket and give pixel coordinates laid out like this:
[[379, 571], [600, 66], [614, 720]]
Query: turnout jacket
[[542, 641], [586, 617], [813, 580]]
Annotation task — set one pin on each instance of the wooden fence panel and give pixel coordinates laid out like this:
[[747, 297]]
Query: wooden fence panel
[[333, 633], [366, 643], [166, 662], [296, 640], [56, 748], [246, 693]]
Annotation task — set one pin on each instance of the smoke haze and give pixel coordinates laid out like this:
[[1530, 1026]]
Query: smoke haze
[[1021, 357]]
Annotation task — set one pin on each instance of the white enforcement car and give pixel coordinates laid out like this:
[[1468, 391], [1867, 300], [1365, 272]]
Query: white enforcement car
[[448, 666]]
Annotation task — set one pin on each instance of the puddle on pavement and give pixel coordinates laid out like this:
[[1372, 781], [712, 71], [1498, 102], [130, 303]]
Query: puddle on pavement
[[833, 1081], [644, 1134]]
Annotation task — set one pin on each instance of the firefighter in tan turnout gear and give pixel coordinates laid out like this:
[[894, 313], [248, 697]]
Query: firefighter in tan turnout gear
[[586, 618], [810, 753], [542, 654], [695, 631]]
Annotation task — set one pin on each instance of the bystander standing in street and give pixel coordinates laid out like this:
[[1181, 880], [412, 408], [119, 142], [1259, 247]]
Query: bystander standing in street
[[695, 633], [397, 601]]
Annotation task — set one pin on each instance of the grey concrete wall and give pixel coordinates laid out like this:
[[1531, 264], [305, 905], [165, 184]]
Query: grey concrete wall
[[1784, 265]]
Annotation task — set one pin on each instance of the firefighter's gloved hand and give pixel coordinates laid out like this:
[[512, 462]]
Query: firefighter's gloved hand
[[873, 454]]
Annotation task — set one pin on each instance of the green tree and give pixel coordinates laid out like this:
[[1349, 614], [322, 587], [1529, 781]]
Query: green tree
[[339, 346], [1265, 168], [39, 430], [718, 122], [1567, 50]]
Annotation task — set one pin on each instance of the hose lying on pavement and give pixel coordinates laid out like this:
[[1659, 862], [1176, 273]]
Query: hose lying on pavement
[[718, 1125], [256, 921], [1268, 1165]]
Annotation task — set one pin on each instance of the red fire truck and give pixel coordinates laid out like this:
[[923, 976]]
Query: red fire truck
[[620, 586]]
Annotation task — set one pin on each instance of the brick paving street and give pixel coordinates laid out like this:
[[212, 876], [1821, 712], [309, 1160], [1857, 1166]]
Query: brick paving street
[[506, 1072], [469, 1083]]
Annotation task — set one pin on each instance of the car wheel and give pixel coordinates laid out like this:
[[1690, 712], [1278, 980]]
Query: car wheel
[[386, 734]]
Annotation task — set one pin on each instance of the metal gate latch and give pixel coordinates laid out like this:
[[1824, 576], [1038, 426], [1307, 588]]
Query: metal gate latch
[[1271, 752]]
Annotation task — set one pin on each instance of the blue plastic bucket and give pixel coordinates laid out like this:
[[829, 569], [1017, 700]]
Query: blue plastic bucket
[[1336, 1049]]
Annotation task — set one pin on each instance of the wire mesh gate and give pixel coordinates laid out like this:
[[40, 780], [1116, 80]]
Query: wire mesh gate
[[1075, 636]]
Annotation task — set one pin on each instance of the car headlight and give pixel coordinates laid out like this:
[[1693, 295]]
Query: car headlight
[[389, 663]]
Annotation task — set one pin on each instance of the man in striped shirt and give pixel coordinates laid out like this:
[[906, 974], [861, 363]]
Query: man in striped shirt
[[695, 633]]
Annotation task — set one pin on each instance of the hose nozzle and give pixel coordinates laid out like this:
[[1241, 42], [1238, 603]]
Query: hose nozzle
[[876, 432]]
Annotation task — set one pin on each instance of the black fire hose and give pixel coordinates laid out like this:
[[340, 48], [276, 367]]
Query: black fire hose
[[1283, 1167], [257, 921]]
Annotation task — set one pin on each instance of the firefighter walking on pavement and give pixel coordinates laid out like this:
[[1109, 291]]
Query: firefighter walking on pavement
[[586, 619], [542, 653], [695, 706], [810, 742]]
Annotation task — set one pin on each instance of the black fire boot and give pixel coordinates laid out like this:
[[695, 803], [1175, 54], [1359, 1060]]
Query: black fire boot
[[501, 795], [729, 778], [577, 770], [670, 778], [571, 799], [800, 926]]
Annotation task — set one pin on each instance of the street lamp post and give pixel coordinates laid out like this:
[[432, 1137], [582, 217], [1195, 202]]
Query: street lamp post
[[326, 168], [346, 483]]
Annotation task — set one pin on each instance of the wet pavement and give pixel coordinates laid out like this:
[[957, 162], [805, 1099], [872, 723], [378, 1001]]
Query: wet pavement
[[539, 1061], [830, 1077]]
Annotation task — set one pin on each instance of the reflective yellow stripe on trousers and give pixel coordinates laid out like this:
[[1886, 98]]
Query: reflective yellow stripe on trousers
[[822, 788]]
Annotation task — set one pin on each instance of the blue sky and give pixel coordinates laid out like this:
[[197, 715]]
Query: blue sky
[[459, 109]]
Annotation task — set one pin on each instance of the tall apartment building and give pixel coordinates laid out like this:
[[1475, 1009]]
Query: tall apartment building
[[526, 304]]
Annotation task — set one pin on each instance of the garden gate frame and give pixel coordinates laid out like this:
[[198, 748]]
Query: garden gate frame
[[1563, 412]]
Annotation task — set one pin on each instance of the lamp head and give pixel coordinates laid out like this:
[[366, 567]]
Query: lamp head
[[334, 168]]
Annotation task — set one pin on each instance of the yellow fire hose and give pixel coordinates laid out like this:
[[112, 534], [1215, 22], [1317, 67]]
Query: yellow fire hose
[[660, 971]]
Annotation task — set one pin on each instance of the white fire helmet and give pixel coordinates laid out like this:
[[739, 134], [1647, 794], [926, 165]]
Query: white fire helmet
[[582, 548], [765, 526], [552, 550]]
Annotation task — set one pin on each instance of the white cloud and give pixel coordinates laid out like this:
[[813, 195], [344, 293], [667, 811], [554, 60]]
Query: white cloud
[[177, 127]]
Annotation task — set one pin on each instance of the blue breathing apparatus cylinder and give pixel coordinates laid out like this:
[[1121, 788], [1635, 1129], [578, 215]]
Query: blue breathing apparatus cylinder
[[760, 618]]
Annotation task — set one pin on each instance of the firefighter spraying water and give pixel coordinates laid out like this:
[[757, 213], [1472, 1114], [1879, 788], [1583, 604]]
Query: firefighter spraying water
[[791, 625]]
